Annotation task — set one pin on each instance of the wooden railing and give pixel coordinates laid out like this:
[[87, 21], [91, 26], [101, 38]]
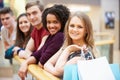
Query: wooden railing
[[109, 40], [37, 72], [41, 74], [104, 42]]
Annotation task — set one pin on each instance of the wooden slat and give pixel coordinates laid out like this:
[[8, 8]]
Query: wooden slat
[[104, 42], [102, 34]]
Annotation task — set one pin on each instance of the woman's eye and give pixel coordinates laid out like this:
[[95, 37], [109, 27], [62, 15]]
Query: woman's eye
[[25, 22], [20, 22], [55, 22], [71, 25], [80, 26]]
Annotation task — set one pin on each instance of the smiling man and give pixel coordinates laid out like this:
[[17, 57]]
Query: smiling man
[[8, 32]]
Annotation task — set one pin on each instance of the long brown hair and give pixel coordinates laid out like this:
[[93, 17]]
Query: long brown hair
[[21, 39], [89, 40]]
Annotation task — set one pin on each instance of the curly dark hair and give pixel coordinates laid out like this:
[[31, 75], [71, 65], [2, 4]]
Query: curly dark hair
[[61, 12]]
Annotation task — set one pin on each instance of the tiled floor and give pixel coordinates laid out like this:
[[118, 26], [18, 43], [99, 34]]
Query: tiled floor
[[9, 72]]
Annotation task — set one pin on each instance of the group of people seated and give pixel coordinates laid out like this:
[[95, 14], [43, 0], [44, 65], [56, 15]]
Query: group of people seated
[[50, 37]]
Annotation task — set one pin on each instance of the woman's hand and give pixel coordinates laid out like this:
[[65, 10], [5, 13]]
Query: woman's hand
[[23, 71], [84, 49], [15, 49]]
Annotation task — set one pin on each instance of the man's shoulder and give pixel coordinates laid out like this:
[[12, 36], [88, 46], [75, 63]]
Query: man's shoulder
[[3, 30], [2, 27]]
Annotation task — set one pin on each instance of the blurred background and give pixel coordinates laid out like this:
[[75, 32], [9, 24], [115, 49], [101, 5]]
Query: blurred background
[[105, 17]]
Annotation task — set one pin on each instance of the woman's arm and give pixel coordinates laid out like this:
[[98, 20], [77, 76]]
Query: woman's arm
[[28, 50], [64, 56], [55, 65], [30, 46], [23, 68], [50, 64], [62, 60]]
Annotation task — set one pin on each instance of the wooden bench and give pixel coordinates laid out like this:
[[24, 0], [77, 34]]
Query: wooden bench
[[37, 72]]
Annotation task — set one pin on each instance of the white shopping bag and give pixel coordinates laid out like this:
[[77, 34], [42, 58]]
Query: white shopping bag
[[95, 69]]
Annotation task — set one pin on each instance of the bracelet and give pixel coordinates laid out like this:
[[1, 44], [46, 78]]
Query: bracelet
[[19, 50]]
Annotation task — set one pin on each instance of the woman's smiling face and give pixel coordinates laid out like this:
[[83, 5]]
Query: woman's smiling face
[[24, 24], [76, 29], [53, 24]]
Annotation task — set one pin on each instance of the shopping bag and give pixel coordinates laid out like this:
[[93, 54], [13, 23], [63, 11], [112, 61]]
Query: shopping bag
[[95, 69]]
